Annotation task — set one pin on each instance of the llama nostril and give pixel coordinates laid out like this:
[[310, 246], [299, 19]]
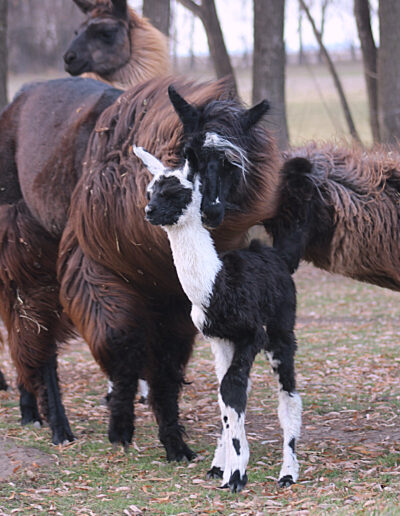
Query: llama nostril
[[69, 57]]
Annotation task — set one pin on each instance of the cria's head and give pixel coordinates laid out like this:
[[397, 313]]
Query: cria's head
[[170, 193]]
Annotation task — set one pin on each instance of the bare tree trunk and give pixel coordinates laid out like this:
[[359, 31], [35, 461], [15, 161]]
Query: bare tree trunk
[[158, 12], [368, 48], [389, 71], [207, 12], [301, 59], [3, 53], [324, 7], [269, 63], [335, 76]]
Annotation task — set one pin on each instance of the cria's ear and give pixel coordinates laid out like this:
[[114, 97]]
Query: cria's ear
[[84, 5], [188, 114], [254, 114], [120, 8], [154, 165]]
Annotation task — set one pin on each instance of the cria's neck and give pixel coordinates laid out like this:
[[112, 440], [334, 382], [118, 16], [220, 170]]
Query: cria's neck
[[196, 260]]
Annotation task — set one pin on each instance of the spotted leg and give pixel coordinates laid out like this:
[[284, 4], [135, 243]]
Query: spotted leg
[[223, 353], [281, 356], [232, 400]]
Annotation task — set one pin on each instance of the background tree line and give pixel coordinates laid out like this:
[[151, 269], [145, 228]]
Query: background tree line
[[39, 31]]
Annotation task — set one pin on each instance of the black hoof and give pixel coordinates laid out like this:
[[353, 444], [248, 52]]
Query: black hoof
[[62, 436], [180, 452], [3, 383], [286, 481], [215, 472], [236, 482], [120, 435]]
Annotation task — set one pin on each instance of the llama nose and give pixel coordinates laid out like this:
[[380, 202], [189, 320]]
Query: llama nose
[[69, 57]]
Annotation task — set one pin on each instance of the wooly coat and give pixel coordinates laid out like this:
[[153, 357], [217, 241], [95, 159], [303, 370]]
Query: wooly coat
[[339, 208], [245, 302]]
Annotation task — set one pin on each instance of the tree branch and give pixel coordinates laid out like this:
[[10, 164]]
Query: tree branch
[[192, 7], [331, 66]]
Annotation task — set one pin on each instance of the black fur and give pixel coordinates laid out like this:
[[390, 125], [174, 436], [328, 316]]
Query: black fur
[[301, 214], [3, 383], [177, 199]]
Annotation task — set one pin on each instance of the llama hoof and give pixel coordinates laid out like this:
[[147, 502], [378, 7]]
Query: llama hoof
[[63, 436], [236, 482], [3, 385], [179, 453], [105, 400], [143, 400], [215, 472], [286, 481], [31, 419], [120, 431]]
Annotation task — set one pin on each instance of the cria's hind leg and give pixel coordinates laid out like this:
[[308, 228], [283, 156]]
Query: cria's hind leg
[[281, 356]]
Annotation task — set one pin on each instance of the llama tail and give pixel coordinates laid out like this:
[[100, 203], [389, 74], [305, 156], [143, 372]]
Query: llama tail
[[291, 226]]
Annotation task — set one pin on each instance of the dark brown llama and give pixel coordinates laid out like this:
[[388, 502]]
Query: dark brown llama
[[116, 45], [118, 282], [340, 210], [33, 212]]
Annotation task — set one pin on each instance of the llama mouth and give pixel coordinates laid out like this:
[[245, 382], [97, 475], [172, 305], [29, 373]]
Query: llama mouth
[[74, 69]]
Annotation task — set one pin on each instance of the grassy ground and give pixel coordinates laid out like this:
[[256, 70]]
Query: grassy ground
[[348, 375]]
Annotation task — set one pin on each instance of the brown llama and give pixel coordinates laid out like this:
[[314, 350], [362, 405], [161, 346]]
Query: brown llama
[[118, 281], [34, 202], [116, 45], [340, 210]]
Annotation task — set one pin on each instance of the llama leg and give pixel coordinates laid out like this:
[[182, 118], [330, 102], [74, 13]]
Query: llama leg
[[113, 321], [143, 391], [223, 353], [3, 383], [170, 351], [28, 407], [281, 356], [126, 360], [30, 308], [233, 400], [56, 414]]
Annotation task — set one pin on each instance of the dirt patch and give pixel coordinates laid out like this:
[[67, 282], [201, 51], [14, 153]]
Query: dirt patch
[[14, 458]]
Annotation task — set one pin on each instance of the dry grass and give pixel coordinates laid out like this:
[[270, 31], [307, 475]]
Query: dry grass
[[348, 375]]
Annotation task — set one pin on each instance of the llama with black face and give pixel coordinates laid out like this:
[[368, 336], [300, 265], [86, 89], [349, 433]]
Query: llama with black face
[[244, 301]]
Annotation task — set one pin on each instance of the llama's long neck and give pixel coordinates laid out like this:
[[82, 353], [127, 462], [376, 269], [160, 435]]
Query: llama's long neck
[[195, 257]]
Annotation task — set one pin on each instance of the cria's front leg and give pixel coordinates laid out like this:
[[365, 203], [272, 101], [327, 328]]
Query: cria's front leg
[[236, 449]]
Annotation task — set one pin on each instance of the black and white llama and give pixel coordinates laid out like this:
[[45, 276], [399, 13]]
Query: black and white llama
[[244, 301]]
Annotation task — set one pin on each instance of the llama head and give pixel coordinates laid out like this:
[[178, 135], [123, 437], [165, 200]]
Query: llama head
[[102, 43], [172, 197], [216, 140]]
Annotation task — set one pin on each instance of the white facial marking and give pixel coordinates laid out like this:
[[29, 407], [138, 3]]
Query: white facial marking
[[234, 154]]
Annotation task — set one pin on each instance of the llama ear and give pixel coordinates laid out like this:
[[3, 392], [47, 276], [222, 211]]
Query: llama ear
[[188, 114], [120, 8], [154, 165], [254, 114], [84, 5]]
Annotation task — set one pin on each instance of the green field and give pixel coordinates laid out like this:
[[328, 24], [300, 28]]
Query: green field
[[348, 374]]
